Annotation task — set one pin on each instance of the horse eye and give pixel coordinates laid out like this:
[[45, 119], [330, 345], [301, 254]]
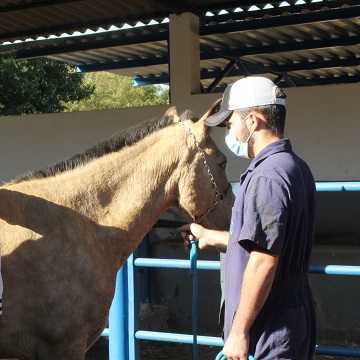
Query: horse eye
[[223, 164], [216, 108]]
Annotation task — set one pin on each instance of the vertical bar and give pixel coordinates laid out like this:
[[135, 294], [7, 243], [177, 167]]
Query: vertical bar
[[193, 274], [131, 307], [118, 342], [144, 273]]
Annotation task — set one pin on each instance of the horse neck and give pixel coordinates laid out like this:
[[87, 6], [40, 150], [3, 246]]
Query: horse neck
[[129, 189]]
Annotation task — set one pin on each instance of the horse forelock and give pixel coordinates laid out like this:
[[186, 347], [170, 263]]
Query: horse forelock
[[116, 142]]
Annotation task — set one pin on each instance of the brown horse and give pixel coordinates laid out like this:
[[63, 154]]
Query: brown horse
[[65, 231]]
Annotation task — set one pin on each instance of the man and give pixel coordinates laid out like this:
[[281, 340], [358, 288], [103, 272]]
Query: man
[[269, 309]]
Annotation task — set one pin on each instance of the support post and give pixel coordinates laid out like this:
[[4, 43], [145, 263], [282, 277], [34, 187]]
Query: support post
[[184, 47]]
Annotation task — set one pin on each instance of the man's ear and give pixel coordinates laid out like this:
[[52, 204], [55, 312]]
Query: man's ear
[[256, 121]]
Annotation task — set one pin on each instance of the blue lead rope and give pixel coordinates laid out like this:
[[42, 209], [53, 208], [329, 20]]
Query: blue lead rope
[[193, 274], [220, 356]]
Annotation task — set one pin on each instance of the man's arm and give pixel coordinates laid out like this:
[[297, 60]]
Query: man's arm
[[257, 282]]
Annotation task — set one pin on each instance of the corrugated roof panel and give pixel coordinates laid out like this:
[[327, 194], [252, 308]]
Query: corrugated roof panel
[[55, 17], [299, 40]]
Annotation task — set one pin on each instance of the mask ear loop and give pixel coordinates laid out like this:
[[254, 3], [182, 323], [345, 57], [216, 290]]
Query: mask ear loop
[[242, 121], [247, 140], [251, 134]]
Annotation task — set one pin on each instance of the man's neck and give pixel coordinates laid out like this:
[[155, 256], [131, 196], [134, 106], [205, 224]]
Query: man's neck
[[265, 140]]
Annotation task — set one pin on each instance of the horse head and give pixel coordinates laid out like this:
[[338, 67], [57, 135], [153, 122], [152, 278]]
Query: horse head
[[205, 193]]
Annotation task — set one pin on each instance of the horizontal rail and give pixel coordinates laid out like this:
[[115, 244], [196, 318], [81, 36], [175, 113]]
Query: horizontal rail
[[338, 186], [331, 351], [177, 264], [179, 338], [215, 265], [335, 269]]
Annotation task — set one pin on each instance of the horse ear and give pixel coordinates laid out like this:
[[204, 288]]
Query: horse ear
[[172, 112], [214, 108]]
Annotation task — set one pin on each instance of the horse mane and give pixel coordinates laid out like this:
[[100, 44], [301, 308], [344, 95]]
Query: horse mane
[[116, 142]]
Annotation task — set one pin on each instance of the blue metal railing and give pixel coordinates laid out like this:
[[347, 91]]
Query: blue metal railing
[[215, 265], [121, 331], [217, 341]]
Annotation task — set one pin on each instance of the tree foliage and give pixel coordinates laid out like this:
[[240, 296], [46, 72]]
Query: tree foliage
[[39, 86], [43, 85], [114, 91]]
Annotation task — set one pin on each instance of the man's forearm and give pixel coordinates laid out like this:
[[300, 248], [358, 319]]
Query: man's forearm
[[257, 282], [217, 238]]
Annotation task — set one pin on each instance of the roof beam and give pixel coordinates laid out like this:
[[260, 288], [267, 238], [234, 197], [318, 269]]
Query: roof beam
[[281, 70], [128, 64], [285, 84], [222, 74], [91, 45], [287, 47], [295, 19], [337, 80], [240, 72], [254, 69], [157, 35]]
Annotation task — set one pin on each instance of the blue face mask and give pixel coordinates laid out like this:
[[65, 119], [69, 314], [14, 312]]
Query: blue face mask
[[237, 147]]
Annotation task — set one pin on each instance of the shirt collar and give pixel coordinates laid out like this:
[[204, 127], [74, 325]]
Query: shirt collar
[[282, 145]]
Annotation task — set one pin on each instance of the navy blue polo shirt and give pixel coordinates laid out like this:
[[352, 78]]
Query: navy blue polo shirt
[[275, 208]]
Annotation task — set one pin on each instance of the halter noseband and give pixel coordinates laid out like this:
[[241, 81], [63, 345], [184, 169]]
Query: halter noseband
[[219, 196]]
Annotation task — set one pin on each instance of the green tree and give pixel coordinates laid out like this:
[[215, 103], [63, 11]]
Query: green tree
[[114, 91], [39, 86]]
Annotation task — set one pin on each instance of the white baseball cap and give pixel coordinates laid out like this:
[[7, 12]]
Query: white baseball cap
[[245, 93]]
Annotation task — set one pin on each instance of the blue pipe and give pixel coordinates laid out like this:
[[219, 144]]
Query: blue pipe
[[334, 269], [179, 338], [145, 273], [331, 351], [131, 307], [338, 186], [177, 264], [117, 320], [121, 330], [215, 265]]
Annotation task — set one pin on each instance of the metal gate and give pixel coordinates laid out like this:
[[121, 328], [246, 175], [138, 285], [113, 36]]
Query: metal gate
[[123, 335]]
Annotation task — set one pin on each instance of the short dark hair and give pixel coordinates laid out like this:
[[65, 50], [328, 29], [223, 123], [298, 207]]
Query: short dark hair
[[274, 114]]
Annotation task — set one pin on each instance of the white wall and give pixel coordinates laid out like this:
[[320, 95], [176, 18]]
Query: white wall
[[35, 141], [323, 124]]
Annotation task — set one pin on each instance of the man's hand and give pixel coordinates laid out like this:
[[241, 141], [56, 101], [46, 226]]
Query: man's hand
[[236, 346], [191, 231]]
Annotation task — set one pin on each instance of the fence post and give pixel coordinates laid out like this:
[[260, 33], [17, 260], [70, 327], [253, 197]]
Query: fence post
[[121, 316]]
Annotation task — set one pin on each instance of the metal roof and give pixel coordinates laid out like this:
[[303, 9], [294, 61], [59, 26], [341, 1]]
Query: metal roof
[[294, 42]]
